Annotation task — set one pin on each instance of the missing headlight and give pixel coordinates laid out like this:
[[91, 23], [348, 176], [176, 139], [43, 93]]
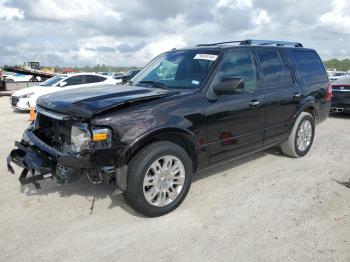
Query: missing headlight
[[80, 138], [83, 138]]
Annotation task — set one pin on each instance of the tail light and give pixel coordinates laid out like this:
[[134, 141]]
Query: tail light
[[329, 93]]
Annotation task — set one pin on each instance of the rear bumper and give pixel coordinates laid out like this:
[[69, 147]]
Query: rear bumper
[[341, 101], [339, 106]]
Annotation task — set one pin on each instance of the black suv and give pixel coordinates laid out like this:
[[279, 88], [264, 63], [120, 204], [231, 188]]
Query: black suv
[[187, 109]]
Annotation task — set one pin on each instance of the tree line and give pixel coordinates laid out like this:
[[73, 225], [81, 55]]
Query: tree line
[[340, 65]]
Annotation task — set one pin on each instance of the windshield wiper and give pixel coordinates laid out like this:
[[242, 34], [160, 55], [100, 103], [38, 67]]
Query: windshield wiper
[[154, 83]]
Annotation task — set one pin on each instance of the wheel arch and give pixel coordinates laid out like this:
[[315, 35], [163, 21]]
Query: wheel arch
[[310, 107], [182, 137]]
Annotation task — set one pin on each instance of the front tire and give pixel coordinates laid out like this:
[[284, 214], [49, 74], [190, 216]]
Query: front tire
[[159, 178], [301, 138]]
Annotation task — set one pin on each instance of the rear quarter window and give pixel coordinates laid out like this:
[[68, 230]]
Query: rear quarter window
[[311, 67], [94, 79]]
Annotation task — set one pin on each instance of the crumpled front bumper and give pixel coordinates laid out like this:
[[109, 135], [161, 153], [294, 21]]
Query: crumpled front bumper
[[41, 160], [32, 161]]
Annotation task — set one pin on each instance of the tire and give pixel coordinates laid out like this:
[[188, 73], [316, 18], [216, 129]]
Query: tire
[[142, 171], [292, 147]]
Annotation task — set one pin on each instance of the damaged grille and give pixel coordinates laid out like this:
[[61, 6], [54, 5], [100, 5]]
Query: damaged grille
[[54, 132]]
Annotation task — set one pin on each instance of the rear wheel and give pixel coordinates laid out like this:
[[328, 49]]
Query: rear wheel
[[301, 138], [159, 178]]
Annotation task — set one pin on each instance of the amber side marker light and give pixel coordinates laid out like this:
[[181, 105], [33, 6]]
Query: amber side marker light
[[32, 114], [99, 137]]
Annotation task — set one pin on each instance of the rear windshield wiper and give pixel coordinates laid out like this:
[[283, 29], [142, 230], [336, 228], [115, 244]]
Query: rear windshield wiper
[[154, 83]]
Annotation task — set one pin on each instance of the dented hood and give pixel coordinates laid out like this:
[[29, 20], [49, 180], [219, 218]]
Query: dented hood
[[87, 101]]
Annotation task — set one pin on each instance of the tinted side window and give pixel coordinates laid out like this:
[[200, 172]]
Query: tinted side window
[[74, 80], [94, 79], [311, 67], [239, 64], [272, 67]]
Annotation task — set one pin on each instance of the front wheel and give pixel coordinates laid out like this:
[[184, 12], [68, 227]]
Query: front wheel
[[159, 178], [301, 137]]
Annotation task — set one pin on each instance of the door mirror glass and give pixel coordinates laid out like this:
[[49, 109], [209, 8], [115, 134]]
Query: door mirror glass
[[229, 86], [62, 84]]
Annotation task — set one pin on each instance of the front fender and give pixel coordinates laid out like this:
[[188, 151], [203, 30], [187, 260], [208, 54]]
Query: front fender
[[147, 137]]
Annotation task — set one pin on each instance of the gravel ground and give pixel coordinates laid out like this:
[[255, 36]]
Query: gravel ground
[[266, 207]]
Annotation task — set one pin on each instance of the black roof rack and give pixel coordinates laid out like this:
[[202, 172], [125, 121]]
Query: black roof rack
[[270, 42], [221, 43], [257, 42]]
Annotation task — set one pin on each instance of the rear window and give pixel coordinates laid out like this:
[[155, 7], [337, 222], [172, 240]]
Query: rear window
[[311, 67], [275, 72], [94, 79]]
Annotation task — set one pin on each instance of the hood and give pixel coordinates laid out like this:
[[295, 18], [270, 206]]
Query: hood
[[27, 90], [85, 102]]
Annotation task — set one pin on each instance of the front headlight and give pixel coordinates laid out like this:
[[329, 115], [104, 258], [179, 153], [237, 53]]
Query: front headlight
[[82, 138], [27, 95]]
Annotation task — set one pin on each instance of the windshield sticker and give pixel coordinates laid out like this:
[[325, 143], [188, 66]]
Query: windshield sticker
[[206, 57], [195, 82]]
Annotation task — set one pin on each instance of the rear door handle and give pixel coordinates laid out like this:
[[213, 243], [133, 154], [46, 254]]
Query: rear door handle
[[297, 95], [254, 103]]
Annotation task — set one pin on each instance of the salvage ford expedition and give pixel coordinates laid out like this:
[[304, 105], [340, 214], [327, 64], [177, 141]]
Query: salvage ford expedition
[[186, 110]]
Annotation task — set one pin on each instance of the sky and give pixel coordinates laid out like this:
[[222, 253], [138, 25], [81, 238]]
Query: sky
[[130, 33]]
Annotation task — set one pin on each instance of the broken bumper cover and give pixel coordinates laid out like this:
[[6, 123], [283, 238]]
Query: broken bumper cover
[[41, 160]]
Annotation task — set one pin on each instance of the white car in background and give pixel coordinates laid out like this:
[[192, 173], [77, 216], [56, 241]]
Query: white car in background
[[16, 77], [26, 98]]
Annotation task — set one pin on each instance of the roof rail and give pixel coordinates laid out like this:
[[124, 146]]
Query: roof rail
[[220, 43], [257, 42], [270, 42]]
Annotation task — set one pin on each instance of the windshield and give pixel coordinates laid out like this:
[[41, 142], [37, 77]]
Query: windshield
[[52, 81], [178, 69]]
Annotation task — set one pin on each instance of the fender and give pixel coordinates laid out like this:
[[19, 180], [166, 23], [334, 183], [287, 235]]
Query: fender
[[139, 142], [310, 103]]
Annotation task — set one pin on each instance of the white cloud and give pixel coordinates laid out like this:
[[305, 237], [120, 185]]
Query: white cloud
[[9, 13], [235, 3], [261, 17], [339, 17]]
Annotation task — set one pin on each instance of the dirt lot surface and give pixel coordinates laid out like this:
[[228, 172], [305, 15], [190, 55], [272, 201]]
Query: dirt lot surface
[[266, 207]]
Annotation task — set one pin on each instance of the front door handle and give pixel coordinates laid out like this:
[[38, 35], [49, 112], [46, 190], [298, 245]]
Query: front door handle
[[254, 103]]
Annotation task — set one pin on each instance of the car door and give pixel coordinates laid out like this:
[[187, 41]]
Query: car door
[[235, 122], [281, 92]]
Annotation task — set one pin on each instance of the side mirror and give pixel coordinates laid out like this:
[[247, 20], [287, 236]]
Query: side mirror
[[229, 86], [62, 84]]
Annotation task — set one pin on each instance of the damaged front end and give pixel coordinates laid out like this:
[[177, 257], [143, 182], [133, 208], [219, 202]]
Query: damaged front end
[[62, 148]]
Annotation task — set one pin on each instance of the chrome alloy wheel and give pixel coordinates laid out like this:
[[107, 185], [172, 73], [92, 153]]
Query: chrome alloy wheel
[[304, 135], [164, 181]]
